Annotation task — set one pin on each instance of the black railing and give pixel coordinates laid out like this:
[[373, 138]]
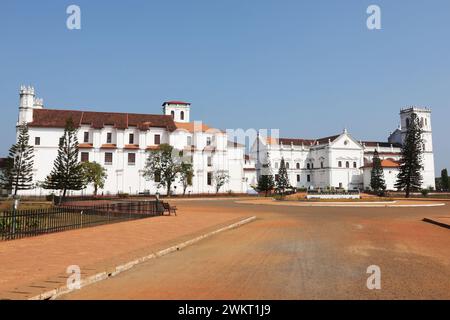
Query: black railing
[[16, 224]]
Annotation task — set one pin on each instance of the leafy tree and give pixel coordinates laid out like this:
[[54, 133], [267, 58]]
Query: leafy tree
[[282, 182], [410, 175], [444, 180], [18, 172], [266, 182], [164, 165], [220, 178], [67, 172], [377, 182], [186, 175], [94, 174]]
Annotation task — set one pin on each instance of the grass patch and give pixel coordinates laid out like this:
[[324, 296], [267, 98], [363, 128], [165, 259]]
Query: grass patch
[[25, 205]]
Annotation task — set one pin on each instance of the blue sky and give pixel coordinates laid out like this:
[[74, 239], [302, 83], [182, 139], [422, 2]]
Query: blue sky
[[310, 68]]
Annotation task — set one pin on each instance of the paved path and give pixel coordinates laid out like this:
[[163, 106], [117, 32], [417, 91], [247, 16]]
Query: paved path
[[34, 265], [299, 253]]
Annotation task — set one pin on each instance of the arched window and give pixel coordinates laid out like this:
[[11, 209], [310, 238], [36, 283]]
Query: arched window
[[426, 121], [173, 114], [182, 115], [276, 165], [347, 164], [407, 122], [354, 165], [297, 165], [340, 164], [321, 164], [308, 166], [287, 165]]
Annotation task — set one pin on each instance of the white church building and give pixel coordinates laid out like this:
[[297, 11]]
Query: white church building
[[342, 161], [121, 143]]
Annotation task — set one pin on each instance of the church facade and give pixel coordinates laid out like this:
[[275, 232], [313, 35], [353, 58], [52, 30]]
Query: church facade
[[121, 143], [342, 161]]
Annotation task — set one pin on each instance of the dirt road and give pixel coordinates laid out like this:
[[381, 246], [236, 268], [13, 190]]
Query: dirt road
[[298, 253]]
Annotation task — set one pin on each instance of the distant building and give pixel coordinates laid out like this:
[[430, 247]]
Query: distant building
[[341, 161], [121, 143]]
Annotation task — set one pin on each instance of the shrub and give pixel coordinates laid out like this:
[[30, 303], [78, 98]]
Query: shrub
[[425, 192]]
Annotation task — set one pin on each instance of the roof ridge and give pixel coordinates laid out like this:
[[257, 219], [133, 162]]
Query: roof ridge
[[107, 112]]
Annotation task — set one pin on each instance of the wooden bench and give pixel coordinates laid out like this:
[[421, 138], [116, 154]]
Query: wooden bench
[[170, 209]]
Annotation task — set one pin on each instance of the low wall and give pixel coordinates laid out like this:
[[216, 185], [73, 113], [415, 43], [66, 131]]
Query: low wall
[[333, 196]]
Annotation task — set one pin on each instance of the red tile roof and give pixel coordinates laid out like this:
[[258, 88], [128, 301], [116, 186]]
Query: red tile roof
[[85, 146], [131, 146], [108, 146], [386, 163], [299, 142], [51, 118], [381, 144]]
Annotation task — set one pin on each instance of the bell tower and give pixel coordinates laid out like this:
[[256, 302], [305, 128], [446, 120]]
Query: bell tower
[[179, 110], [424, 116], [26, 104]]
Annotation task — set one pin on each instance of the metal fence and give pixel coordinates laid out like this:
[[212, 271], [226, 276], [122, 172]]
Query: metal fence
[[16, 224]]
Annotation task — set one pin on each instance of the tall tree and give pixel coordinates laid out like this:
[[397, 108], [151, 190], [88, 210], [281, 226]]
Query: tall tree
[[67, 172], [282, 183], [266, 182], [377, 182], [94, 174], [163, 164], [410, 174], [186, 175], [444, 180], [220, 178], [18, 172]]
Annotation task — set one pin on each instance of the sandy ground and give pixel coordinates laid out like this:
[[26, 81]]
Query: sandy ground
[[390, 203], [293, 252], [34, 265]]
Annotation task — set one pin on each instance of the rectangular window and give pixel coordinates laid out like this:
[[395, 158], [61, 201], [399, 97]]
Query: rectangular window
[[321, 164], [189, 141], [85, 157], [208, 141], [209, 178], [277, 176], [131, 138], [354, 165], [61, 140], [108, 158], [109, 137], [209, 162], [157, 139], [157, 177], [298, 178], [37, 141], [131, 158], [308, 178], [86, 137], [340, 164]]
